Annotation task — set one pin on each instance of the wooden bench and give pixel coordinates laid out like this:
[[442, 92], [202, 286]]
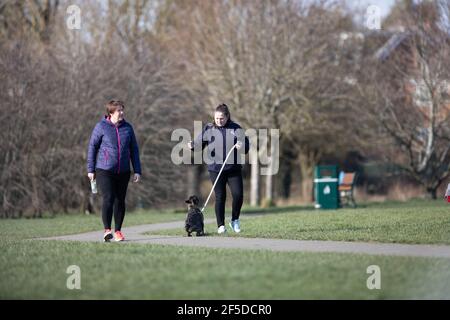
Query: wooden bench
[[345, 188]]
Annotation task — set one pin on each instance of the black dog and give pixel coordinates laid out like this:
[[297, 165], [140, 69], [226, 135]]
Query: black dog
[[194, 218]]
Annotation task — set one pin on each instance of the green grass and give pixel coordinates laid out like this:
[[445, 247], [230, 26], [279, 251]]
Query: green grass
[[37, 270], [426, 222], [72, 224], [32, 269]]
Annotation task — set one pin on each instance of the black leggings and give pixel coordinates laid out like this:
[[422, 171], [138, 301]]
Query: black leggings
[[234, 180], [113, 187]]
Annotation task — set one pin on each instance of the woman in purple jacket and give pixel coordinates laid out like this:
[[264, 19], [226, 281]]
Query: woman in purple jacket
[[111, 148]]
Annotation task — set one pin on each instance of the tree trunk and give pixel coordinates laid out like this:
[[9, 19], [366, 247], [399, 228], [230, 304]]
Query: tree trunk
[[268, 201], [272, 170], [287, 180], [432, 193], [254, 173], [307, 179], [35, 198], [254, 184]]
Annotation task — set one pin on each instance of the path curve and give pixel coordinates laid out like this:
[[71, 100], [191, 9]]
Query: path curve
[[135, 234]]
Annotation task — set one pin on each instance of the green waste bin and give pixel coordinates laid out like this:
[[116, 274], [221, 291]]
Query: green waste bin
[[326, 187]]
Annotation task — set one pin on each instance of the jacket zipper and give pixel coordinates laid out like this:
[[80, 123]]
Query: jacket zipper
[[118, 145]]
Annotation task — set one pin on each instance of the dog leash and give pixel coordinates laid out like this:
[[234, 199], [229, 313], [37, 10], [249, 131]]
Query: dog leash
[[215, 182]]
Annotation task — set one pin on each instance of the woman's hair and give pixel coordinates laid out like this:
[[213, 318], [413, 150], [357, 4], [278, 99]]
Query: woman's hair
[[224, 109], [113, 105]]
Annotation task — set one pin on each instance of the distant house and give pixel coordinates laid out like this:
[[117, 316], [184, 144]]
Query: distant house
[[397, 50], [400, 47]]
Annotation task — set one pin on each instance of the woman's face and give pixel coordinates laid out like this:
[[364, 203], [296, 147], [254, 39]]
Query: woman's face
[[220, 119], [117, 115]]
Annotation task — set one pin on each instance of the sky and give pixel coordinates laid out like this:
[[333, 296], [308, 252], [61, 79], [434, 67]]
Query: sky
[[360, 7], [384, 5]]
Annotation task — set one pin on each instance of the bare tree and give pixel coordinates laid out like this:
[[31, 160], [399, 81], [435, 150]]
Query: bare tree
[[54, 92], [270, 60], [35, 18], [408, 87]]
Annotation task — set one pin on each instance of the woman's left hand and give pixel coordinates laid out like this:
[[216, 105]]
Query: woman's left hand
[[137, 177]]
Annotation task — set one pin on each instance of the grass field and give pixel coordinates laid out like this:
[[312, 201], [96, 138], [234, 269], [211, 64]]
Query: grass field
[[33, 269], [72, 224], [422, 222]]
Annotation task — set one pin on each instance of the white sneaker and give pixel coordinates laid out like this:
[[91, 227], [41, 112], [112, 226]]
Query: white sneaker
[[235, 226], [221, 230], [107, 236]]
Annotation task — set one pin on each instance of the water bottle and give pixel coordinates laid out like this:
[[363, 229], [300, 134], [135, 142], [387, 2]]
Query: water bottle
[[93, 186]]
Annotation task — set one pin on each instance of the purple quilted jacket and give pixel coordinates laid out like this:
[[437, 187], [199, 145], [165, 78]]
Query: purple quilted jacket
[[112, 148]]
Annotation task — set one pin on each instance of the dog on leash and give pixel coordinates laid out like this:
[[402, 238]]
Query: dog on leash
[[194, 218]]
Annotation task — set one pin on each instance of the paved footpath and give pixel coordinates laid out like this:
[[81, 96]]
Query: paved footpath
[[135, 234]]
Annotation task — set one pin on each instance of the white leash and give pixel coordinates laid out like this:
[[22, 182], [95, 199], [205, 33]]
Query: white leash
[[215, 182]]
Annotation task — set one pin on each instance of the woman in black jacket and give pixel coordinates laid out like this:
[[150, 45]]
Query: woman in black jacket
[[220, 137]]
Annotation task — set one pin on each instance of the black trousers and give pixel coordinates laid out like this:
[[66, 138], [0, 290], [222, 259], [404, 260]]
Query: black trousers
[[234, 180], [113, 187]]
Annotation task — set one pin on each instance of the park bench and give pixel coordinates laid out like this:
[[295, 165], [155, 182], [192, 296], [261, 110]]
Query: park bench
[[345, 188]]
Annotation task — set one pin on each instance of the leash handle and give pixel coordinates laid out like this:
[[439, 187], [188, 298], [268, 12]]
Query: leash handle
[[218, 176]]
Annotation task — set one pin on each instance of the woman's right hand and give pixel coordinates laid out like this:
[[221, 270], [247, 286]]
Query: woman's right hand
[[91, 176]]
